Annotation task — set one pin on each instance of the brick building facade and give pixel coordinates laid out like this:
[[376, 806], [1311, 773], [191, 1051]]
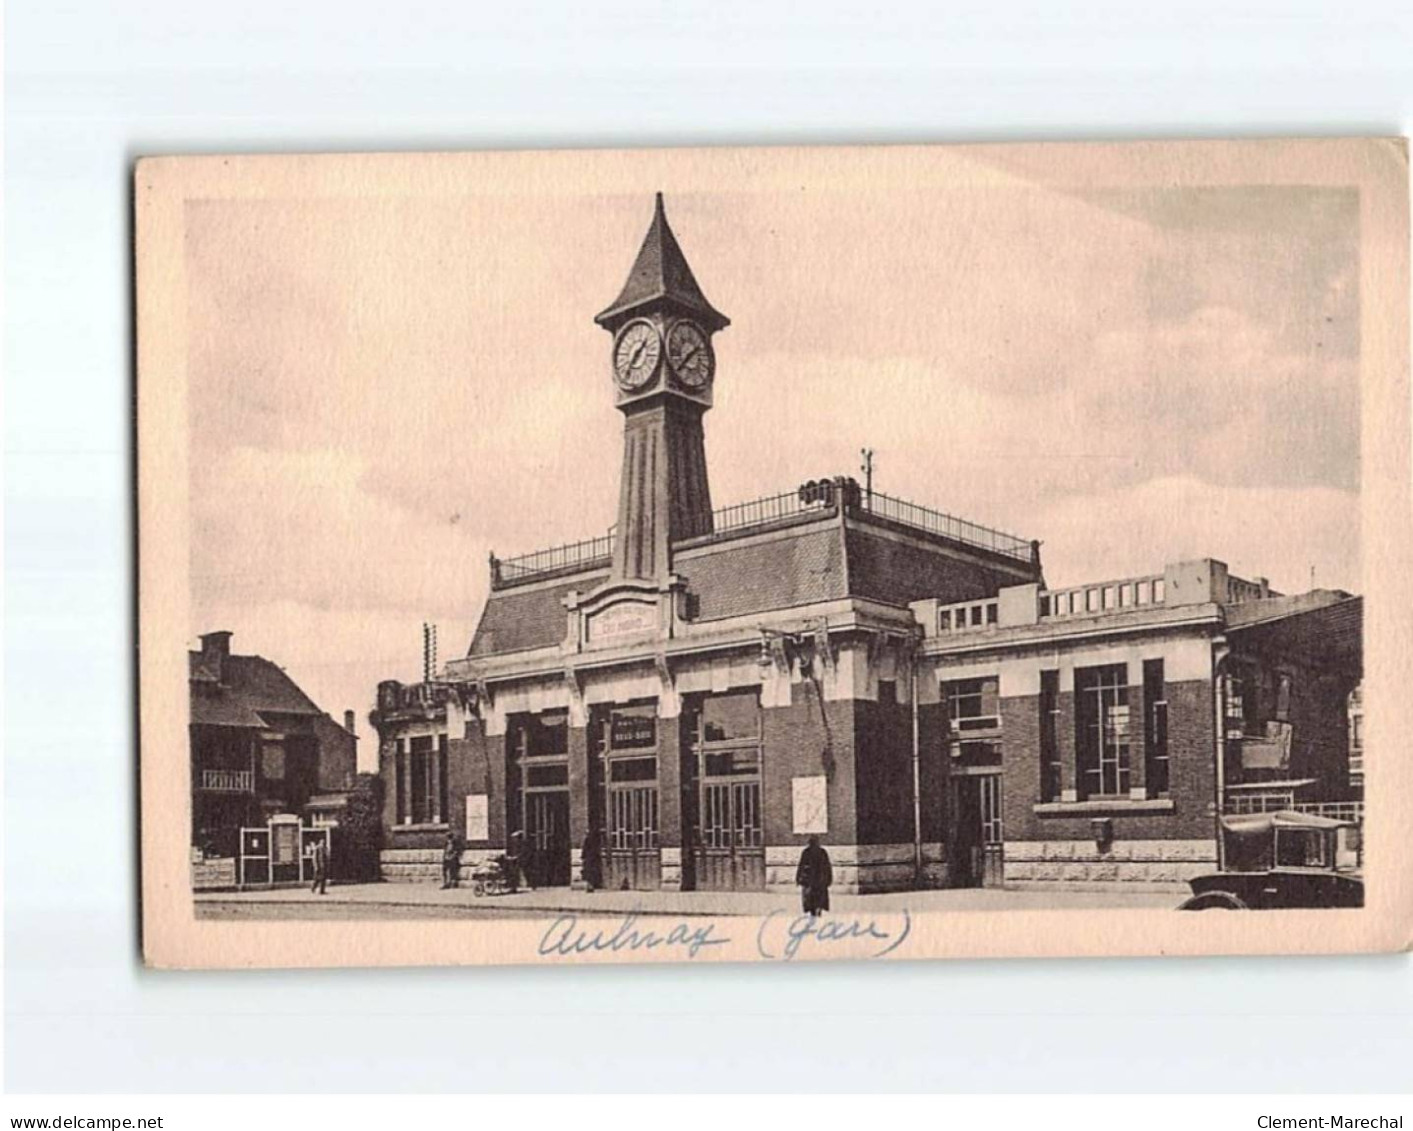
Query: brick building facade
[[260, 747], [703, 689]]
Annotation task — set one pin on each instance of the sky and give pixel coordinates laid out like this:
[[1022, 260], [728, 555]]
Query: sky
[[384, 389]]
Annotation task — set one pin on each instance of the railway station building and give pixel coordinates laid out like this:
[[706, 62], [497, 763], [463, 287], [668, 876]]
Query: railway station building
[[708, 687]]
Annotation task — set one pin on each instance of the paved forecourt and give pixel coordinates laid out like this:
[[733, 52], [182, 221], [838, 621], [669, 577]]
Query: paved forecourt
[[426, 900]]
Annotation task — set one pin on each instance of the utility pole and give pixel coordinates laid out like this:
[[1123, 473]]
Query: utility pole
[[867, 468], [429, 651]]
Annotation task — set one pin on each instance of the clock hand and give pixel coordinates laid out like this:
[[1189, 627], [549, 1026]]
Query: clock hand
[[637, 353]]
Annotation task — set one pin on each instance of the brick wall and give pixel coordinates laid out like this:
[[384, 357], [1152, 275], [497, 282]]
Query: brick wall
[[1020, 765], [1320, 734], [883, 759], [1192, 760], [933, 768], [1191, 769], [793, 741]]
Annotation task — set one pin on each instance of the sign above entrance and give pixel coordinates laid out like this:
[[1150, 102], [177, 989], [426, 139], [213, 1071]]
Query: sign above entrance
[[630, 732], [622, 621]]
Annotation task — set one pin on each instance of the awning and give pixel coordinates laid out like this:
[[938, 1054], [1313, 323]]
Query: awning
[[1259, 824]]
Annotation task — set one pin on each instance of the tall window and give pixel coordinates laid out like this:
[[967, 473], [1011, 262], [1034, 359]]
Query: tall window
[[1051, 779], [1283, 683], [538, 754], [422, 800], [541, 736], [402, 783], [1102, 730], [1355, 710], [442, 812], [971, 704], [1236, 699], [1155, 716]]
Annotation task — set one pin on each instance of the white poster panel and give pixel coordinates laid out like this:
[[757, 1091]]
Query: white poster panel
[[811, 807], [478, 816]]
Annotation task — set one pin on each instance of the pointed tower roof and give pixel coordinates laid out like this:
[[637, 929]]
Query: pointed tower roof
[[661, 272]]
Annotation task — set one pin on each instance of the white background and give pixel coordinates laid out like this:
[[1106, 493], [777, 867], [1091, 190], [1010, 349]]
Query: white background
[[89, 87]]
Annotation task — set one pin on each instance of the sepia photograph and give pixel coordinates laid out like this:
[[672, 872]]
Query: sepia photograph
[[766, 554], [849, 563]]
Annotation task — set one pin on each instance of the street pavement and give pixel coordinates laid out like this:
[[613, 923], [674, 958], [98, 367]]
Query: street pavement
[[429, 901]]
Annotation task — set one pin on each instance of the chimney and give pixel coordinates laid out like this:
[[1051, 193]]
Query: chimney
[[215, 647], [348, 722]]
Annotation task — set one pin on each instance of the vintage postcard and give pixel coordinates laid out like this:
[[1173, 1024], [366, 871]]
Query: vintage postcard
[[774, 554]]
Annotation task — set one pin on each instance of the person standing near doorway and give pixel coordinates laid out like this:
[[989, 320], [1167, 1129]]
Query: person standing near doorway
[[529, 863], [814, 875], [321, 867], [593, 861], [451, 862], [519, 856]]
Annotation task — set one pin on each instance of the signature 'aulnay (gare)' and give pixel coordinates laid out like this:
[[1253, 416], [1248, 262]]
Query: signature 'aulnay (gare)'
[[777, 937]]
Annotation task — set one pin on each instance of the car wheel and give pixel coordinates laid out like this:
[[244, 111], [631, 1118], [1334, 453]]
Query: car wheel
[[1213, 901], [478, 889]]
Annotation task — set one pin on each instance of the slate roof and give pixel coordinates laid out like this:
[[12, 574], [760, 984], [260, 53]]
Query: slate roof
[[518, 620], [1277, 608], [1327, 626], [661, 272], [899, 571], [799, 565], [250, 689]]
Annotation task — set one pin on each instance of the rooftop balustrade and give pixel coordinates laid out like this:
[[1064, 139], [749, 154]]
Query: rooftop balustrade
[[817, 497]]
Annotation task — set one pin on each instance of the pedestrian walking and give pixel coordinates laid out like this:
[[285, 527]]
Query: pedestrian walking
[[321, 867], [814, 875]]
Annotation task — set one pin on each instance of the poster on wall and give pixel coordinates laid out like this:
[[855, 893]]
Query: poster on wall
[[810, 804], [478, 817]]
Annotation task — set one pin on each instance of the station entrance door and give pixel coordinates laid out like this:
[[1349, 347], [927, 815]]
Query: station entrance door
[[723, 774], [976, 846]]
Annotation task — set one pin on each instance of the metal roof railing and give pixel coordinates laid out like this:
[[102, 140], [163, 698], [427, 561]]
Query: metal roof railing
[[571, 556], [947, 525], [815, 498]]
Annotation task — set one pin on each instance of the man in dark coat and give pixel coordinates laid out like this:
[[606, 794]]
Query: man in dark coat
[[593, 861], [451, 862], [814, 875], [523, 853]]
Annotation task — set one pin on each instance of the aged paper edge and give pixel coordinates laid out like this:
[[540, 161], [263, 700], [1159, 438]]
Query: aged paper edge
[[174, 938]]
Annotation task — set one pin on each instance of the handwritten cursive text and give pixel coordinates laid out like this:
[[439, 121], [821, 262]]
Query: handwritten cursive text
[[565, 937], [853, 938]]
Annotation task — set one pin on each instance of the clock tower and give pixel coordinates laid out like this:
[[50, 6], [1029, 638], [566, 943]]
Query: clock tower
[[663, 368]]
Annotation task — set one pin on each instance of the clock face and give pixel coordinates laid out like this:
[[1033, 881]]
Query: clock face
[[636, 355], [689, 354]]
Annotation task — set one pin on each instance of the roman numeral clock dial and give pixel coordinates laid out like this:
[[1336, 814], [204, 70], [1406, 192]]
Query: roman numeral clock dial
[[690, 356], [636, 356]]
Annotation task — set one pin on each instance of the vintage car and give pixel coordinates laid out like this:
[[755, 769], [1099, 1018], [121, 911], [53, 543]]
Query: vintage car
[[1282, 860]]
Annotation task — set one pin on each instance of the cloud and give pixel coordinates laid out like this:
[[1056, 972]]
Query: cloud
[[1278, 534], [384, 389], [301, 526]]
